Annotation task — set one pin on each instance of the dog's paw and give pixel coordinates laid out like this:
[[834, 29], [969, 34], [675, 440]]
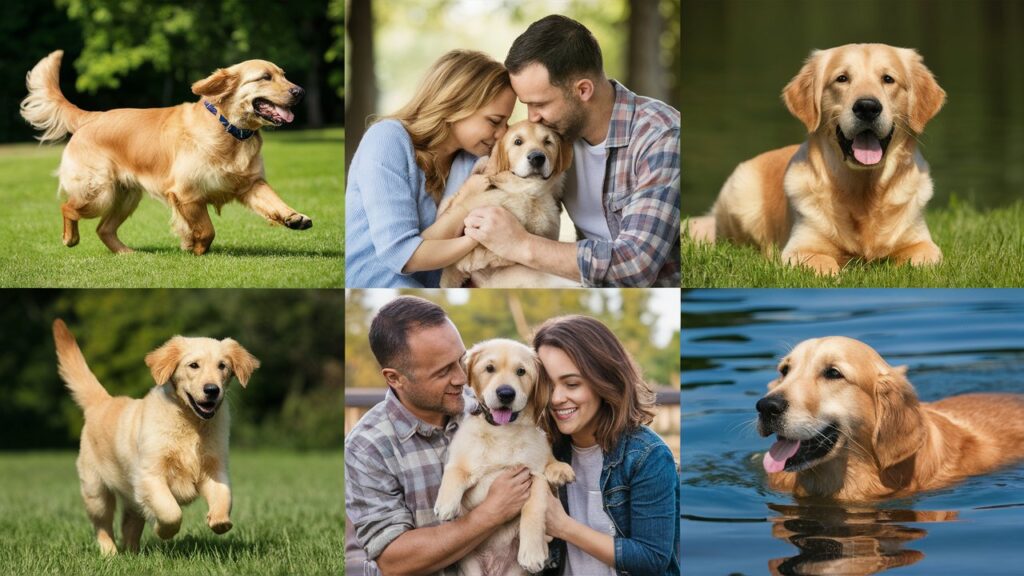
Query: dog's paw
[[446, 510], [167, 531], [298, 221], [532, 558], [219, 525], [559, 473]]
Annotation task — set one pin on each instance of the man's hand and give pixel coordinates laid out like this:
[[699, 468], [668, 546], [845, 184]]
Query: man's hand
[[506, 496], [499, 231]]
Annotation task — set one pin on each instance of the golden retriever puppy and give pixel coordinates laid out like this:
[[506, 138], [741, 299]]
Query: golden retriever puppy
[[502, 433], [849, 426], [188, 156], [856, 189], [525, 174], [160, 452]]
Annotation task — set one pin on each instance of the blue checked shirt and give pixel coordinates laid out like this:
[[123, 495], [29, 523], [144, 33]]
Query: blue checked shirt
[[641, 198]]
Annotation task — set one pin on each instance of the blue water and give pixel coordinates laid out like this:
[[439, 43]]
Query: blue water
[[953, 341]]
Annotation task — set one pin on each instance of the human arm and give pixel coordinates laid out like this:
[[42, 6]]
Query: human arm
[[500, 231], [562, 526]]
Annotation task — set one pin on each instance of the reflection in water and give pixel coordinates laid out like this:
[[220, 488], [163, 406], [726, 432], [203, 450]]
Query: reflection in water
[[837, 540]]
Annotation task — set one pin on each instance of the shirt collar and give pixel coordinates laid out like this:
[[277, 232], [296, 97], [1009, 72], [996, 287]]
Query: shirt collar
[[621, 126], [406, 423], [238, 133]]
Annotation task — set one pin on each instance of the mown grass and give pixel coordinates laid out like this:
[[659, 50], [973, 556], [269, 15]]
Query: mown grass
[[980, 250], [287, 517], [304, 167]]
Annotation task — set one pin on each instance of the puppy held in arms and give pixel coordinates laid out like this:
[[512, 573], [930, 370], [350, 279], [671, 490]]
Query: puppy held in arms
[[502, 433], [524, 175], [163, 451], [188, 156], [849, 426]]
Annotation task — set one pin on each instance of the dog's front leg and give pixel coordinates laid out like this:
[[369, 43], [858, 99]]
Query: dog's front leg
[[217, 493], [533, 550], [262, 200], [454, 484], [160, 503]]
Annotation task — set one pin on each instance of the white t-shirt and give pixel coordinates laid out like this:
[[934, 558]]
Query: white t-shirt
[[584, 202], [586, 506]]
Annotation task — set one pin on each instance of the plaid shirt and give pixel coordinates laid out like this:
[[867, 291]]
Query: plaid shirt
[[641, 198], [393, 467]]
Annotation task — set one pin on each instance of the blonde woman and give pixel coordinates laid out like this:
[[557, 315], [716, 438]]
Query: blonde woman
[[407, 162]]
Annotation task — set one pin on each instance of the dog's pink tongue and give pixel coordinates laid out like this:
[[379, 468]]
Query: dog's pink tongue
[[867, 149], [501, 416], [285, 114], [776, 456]]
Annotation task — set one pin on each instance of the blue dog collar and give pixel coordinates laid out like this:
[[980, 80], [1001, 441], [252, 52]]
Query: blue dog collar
[[238, 133]]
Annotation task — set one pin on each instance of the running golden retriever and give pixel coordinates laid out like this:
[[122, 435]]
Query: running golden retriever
[[524, 174], [162, 451], [850, 427], [502, 434], [188, 156], [856, 189]]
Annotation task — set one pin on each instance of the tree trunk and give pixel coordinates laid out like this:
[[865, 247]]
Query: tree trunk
[[361, 87], [644, 68]]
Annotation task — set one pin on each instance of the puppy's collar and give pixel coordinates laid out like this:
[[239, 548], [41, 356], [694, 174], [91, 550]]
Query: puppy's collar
[[238, 133]]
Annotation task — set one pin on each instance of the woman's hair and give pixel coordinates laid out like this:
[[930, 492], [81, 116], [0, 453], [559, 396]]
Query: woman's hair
[[456, 86], [627, 401]]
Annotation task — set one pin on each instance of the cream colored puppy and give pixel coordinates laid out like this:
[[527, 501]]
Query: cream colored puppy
[[856, 189], [502, 434], [160, 452], [525, 176]]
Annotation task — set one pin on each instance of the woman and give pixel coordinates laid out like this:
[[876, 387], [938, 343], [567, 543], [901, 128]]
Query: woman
[[408, 162], [621, 515]]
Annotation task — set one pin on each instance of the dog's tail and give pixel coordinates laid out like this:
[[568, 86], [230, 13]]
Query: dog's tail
[[84, 386], [45, 107]]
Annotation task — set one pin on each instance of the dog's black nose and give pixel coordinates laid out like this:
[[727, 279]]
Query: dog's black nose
[[211, 390], [506, 394], [297, 93], [536, 159], [772, 406], [867, 108]]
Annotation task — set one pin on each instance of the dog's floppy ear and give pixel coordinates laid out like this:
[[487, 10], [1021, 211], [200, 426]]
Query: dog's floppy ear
[[564, 155], [541, 394], [803, 93], [468, 360], [499, 158], [926, 96], [242, 362], [216, 86], [899, 426], [164, 360]]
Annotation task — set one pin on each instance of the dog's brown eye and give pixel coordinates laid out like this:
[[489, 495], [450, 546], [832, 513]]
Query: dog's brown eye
[[832, 373], [521, 372], [784, 370], [266, 76], [489, 369], [222, 366], [518, 142], [194, 365], [842, 79], [888, 79]]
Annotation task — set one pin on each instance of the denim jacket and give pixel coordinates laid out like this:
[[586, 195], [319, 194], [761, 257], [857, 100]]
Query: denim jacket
[[640, 489]]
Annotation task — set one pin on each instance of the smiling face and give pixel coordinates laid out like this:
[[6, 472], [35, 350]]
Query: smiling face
[[478, 132], [503, 374], [548, 104], [573, 404], [251, 94], [200, 370]]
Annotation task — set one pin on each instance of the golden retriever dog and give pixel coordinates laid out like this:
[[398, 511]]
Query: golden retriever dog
[[188, 156], [849, 426], [160, 452], [502, 433], [525, 174], [856, 189]]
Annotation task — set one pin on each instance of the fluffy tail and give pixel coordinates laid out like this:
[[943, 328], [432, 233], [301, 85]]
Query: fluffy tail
[[84, 386], [45, 107]]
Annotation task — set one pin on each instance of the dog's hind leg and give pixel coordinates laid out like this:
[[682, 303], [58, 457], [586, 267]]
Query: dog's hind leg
[[99, 505], [71, 216], [125, 202], [132, 523]]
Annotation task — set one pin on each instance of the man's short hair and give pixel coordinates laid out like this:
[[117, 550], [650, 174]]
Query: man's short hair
[[390, 328], [564, 46]]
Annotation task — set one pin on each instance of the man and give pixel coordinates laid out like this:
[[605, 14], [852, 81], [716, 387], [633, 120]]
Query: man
[[395, 455], [623, 192]]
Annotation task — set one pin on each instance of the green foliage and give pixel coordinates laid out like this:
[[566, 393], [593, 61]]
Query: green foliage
[[287, 513], [980, 249]]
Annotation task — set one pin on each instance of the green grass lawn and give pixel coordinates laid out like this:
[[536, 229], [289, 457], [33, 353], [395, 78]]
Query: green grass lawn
[[980, 250], [287, 514], [304, 167]]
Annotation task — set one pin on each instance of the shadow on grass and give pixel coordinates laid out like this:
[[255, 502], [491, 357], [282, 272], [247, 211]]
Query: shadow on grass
[[192, 546], [243, 251]]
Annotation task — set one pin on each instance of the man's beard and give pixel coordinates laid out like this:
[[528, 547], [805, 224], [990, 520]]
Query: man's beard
[[444, 405], [571, 125]]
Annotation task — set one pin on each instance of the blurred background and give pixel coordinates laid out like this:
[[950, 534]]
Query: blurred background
[[740, 53], [391, 44], [293, 400]]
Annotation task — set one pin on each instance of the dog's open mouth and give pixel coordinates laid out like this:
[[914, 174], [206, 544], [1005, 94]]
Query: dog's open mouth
[[501, 416], [205, 409], [271, 112], [866, 148], [795, 455]]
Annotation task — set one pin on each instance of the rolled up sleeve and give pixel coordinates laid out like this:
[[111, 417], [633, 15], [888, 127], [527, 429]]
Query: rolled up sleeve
[[374, 499]]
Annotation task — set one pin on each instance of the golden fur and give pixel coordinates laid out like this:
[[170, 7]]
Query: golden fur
[[530, 192], [181, 156], [887, 442], [480, 451], [162, 451], [818, 203]]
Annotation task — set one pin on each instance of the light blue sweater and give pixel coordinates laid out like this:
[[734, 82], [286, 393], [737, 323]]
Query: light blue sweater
[[387, 206]]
